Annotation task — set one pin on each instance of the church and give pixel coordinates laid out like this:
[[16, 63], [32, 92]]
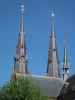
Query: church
[[52, 85]]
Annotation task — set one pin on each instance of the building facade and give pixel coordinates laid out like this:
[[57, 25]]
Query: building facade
[[53, 69]]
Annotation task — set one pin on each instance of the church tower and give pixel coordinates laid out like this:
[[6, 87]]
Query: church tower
[[20, 60], [53, 62]]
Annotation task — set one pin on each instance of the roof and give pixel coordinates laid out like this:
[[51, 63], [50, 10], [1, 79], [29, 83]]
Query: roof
[[49, 86]]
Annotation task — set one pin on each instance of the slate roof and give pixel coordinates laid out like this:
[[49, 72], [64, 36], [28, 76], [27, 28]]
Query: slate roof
[[49, 86]]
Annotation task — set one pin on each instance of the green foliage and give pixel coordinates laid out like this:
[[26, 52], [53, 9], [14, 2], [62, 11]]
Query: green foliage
[[21, 89]]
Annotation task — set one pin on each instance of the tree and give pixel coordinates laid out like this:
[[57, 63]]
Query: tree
[[21, 89]]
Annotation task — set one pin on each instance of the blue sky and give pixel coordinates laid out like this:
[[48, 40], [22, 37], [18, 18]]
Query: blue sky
[[37, 28]]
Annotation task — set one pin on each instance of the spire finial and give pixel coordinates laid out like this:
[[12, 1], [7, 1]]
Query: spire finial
[[53, 23], [22, 8], [22, 17], [52, 14]]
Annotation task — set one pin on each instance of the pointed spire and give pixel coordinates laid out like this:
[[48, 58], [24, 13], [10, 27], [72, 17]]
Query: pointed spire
[[21, 46], [20, 65], [66, 63], [53, 62]]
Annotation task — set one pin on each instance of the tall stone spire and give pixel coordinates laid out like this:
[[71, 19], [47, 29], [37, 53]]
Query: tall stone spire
[[66, 64], [20, 63], [53, 62]]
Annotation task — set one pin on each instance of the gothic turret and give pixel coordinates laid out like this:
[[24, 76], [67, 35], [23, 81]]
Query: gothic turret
[[53, 62], [20, 62], [66, 65]]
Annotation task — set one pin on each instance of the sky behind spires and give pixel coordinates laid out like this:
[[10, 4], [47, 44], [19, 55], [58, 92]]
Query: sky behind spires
[[37, 28]]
